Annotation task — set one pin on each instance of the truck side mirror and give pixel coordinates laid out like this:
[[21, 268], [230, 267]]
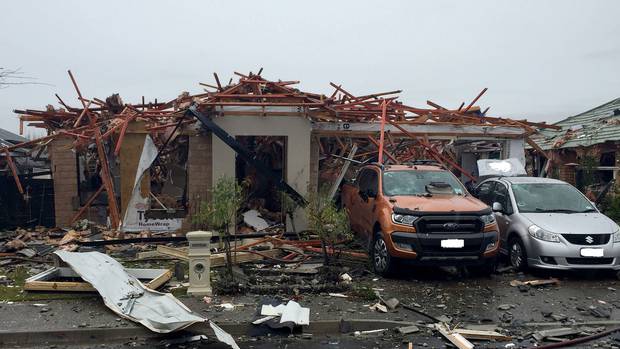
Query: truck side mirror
[[497, 207]]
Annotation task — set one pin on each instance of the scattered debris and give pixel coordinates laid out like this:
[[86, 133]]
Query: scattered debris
[[370, 332], [455, 338], [551, 281], [379, 308], [253, 219], [295, 313], [408, 329]]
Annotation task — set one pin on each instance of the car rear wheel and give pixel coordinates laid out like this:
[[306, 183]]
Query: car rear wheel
[[516, 254], [381, 259]]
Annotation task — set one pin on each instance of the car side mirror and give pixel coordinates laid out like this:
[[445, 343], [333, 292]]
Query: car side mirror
[[497, 207], [363, 194]]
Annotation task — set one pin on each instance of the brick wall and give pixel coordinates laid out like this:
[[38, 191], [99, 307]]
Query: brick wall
[[567, 174], [199, 174], [64, 174]]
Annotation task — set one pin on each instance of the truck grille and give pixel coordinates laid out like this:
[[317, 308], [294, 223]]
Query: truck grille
[[432, 229], [442, 224], [587, 239]]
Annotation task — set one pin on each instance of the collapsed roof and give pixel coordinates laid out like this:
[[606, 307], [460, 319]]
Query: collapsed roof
[[102, 124], [595, 126]]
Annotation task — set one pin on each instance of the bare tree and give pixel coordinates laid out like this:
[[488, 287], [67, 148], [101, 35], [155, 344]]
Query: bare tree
[[9, 77]]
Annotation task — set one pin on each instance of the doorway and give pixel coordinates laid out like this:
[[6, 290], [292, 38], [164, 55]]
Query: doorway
[[262, 194]]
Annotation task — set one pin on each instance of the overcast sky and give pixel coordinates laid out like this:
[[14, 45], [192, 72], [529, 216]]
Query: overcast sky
[[541, 60]]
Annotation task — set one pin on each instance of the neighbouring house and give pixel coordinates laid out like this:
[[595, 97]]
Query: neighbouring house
[[30, 201], [585, 151]]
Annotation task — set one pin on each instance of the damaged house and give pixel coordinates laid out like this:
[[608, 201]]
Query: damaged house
[[148, 166], [585, 151]]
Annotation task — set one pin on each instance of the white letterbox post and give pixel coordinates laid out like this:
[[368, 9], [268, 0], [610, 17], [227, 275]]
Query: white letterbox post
[[199, 263]]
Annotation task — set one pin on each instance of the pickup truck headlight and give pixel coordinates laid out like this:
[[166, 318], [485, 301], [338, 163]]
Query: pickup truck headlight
[[488, 219], [404, 219], [541, 234]]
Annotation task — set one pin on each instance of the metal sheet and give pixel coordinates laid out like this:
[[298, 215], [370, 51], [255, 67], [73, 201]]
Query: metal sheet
[[127, 296]]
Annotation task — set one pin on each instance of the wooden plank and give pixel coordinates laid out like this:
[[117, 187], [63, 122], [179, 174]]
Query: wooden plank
[[458, 340], [343, 171], [217, 259], [9, 160], [43, 281], [159, 280], [176, 252], [484, 335], [537, 147]]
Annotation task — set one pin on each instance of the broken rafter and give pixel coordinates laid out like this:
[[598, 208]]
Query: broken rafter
[[9, 160], [89, 202]]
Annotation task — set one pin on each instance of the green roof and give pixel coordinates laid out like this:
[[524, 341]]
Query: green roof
[[594, 126]]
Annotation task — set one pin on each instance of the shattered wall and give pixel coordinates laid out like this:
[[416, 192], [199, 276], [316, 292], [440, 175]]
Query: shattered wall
[[199, 173], [64, 174], [297, 132]]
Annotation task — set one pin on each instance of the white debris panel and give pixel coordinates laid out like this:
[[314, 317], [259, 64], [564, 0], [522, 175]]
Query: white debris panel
[[129, 298], [507, 168]]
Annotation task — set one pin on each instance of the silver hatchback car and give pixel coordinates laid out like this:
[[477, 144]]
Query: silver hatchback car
[[547, 223]]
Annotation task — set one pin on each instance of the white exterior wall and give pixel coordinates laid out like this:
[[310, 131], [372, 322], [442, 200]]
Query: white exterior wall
[[515, 148], [297, 131]]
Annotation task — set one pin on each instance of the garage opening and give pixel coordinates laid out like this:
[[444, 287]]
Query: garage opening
[[263, 199]]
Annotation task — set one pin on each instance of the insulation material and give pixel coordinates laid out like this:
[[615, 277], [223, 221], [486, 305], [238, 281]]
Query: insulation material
[[129, 298], [134, 219]]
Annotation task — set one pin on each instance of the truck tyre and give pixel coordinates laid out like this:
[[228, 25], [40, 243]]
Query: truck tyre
[[381, 260], [517, 256]]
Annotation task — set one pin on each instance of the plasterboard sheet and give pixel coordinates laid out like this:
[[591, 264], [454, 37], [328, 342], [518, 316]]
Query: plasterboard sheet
[[293, 312]]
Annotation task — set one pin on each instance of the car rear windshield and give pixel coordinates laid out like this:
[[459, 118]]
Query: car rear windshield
[[416, 182], [546, 197]]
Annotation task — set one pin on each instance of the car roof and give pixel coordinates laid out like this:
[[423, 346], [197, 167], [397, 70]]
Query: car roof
[[529, 180], [413, 168]]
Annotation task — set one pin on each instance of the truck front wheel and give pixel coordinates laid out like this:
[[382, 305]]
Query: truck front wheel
[[381, 259]]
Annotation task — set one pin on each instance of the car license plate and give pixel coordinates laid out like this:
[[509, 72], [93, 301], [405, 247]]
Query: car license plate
[[591, 252], [453, 243]]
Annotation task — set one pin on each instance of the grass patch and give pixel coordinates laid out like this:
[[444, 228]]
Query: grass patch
[[364, 292]]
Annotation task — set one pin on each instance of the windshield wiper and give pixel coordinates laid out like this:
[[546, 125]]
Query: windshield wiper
[[588, 210], [556, 210]]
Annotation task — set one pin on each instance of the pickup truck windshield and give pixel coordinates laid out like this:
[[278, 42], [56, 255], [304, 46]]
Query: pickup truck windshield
[[554, 198], [416, 182]]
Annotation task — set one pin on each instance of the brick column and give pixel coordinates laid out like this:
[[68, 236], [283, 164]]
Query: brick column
[[199, 174], [64, 175]]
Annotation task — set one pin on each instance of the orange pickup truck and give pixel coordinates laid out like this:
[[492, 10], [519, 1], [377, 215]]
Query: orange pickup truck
[[420, 212]]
